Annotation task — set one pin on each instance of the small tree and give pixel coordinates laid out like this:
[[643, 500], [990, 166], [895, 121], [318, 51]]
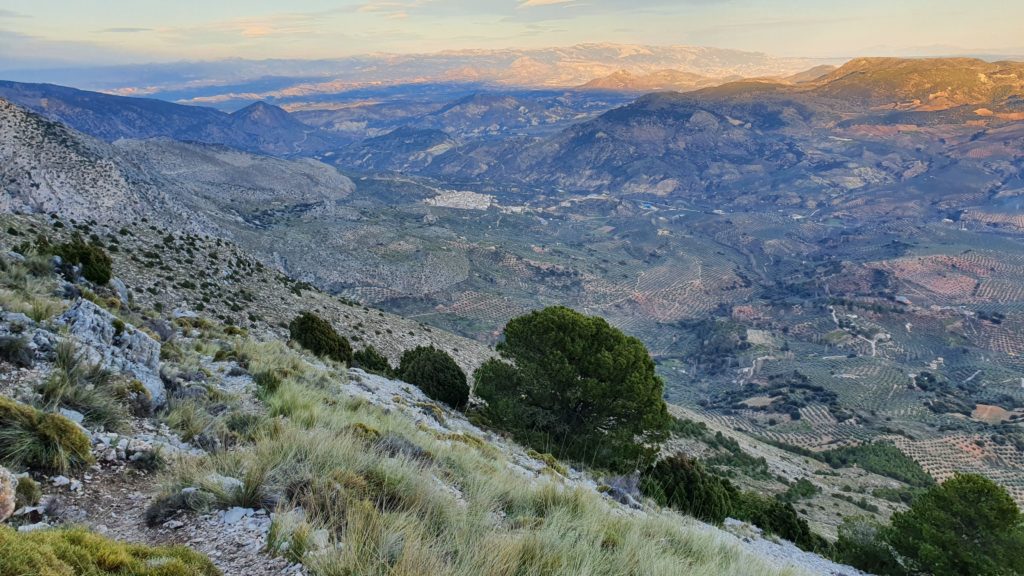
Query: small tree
[[579, 389], [437, 374], [371, 360], [317, 335], [966, 525]]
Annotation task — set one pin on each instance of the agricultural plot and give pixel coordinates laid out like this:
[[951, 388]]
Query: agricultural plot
[[944, 456]]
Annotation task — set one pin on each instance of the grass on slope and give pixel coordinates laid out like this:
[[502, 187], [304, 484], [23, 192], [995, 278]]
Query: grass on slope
[[78, 552], [361, 491]]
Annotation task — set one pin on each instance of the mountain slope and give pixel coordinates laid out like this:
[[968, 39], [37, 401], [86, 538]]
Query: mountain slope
[[925, 84], [47, 167], [257, 128]]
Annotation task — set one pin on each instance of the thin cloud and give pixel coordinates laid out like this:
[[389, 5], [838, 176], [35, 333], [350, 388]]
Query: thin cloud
[[12, 14], [535, 3], [125, 30]]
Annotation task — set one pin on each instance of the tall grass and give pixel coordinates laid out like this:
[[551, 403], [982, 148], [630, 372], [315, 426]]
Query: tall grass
[[86, 388], [348, 503]]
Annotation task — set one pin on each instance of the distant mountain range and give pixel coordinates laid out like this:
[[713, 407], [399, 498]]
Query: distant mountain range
[[259, 127], [233, 83], [745, 136], [753, 135]]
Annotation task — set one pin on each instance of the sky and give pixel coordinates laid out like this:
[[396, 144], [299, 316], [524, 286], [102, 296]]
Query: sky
[[44, 33]]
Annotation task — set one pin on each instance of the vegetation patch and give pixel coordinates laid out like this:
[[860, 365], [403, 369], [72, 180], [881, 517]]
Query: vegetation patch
[[881, 458], [318, 336], [72, 552], [41, 441], [436, 373]]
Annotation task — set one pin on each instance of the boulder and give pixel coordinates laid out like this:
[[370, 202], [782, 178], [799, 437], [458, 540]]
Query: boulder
[[8, 493], [115, 346], [73, 415], [122, 291]]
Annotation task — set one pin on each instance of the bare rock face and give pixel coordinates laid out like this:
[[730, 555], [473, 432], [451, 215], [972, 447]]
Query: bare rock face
[[8, 490], [116, 346]]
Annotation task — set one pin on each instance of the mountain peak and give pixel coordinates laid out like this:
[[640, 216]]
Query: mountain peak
[[261, 111]]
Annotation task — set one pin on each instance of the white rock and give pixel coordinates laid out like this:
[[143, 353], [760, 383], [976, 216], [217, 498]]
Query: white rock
[[131, 351], [234, 515], [33, 527], [73, 415], [59, 481], [8, 492]]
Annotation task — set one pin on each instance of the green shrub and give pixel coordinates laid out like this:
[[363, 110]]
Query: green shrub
[[69, 552], [27, 493], [682, 483], [861, 544], [317, 335], [799, 490], [437, 374], [15, 350], [41, 441], [371, 360], [579, 388], [97, 267], [777, 517]]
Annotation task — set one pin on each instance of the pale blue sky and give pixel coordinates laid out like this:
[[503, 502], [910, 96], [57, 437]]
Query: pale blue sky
[[37, 32]]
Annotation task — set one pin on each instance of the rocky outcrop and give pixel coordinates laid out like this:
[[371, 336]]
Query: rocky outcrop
[[8, 493], [116, 346]]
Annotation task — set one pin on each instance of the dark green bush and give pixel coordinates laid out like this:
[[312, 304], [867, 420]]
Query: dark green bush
[[683, 484], [966, 525], [318, 336], [861, 544], [777, 517], [15, 350], [579, 389], [371, 360], [97, 267], [799, 490], [436, 373]]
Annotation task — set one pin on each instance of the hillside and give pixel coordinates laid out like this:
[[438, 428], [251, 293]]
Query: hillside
[[51, 168], [659, 81], [453, 488], [926, 84]]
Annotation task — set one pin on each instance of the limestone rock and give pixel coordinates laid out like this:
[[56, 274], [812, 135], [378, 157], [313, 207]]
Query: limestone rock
[[122, 291], [8, 493], [126, 350]]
